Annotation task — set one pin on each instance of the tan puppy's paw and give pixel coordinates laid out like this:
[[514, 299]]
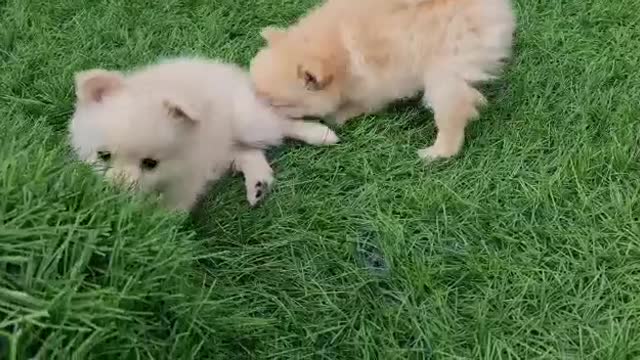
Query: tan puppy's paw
[[433, 153], [348, 112]]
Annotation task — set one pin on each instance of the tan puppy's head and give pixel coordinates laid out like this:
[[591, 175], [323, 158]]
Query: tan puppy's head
[[296, 77], [136, 137]]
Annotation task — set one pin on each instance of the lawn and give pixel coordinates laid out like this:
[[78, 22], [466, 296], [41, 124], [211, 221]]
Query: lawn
[[526, 246]]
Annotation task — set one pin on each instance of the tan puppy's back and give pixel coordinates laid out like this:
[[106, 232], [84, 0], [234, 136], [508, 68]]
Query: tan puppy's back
[[401, 40]]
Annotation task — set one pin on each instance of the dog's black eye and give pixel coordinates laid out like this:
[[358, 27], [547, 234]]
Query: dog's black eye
[[148, 164], [104, 156]]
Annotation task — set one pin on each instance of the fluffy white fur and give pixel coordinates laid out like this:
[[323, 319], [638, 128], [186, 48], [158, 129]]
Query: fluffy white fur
[[349, 57], [175, 126]]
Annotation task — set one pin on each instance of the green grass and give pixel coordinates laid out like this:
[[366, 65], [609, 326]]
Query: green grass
[[526, 246]]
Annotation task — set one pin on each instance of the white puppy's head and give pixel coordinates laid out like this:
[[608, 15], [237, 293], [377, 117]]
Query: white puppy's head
[[138, 137]]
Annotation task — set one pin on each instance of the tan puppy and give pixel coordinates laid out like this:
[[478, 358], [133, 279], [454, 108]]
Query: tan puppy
[[350, 57], [173, 127]]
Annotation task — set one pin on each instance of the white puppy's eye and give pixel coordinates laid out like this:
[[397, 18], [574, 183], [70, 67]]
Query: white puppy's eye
[[148, 164], [104, 156]]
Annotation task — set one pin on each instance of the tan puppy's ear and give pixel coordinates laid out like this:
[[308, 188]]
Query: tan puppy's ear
[[94, 85], [315, 76], [272, 34], [181, 112]]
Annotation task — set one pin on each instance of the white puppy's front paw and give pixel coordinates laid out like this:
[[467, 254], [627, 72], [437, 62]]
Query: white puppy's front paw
[[328, 137], [311, 133], [258, 175], [258, 187], [318, 134]]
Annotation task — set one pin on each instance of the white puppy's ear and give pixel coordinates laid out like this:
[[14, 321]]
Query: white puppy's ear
[[181, 112], [94, 85], [272, 34]]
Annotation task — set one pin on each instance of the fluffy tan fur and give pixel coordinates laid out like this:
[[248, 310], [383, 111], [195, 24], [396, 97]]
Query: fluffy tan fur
[[175, 126], [349, 57]]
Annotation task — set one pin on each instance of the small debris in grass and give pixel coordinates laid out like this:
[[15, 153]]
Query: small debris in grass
[[370, 255]]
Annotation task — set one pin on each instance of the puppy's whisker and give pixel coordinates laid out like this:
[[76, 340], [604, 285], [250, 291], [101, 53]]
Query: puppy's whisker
[[100, 167], [133, 185]]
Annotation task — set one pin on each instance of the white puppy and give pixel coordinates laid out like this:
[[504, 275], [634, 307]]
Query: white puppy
[[175, 126]]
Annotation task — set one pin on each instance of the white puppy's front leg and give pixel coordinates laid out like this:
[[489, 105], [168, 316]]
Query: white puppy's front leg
[[258, 175], [309, 132]]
